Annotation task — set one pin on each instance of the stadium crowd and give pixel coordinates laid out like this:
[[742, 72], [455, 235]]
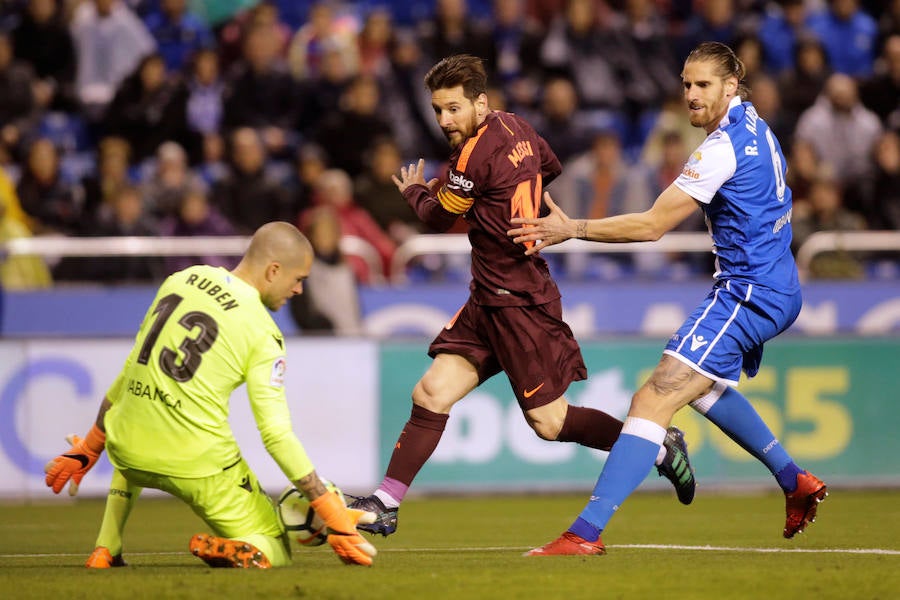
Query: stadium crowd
[[202, 117]]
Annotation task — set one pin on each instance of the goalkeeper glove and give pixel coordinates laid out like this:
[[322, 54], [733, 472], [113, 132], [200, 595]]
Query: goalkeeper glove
[[341, 522], [76, 462]]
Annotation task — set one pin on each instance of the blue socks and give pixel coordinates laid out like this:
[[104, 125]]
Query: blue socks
[[735, 416], [629, 461]]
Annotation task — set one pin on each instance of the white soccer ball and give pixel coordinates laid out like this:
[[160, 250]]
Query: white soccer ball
[[300, 521]]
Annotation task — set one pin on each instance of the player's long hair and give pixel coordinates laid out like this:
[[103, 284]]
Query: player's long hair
[[726, 61], [460, 69]]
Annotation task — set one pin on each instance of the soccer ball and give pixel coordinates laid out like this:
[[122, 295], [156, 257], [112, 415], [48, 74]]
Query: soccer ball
[[300, 520]]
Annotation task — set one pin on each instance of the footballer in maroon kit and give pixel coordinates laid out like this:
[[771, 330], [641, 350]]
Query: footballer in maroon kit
[[512, 321]]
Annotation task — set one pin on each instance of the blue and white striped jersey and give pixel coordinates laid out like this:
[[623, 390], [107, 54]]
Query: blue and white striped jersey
[[737, 175]]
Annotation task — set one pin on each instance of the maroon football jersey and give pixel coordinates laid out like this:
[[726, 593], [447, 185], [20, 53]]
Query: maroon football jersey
[[497, 174]]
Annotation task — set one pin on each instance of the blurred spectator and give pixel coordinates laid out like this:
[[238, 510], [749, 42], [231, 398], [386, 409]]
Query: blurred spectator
[[322, 95], [195, 216], [164, 189], [42, 39], [213, 167], [329, 303], [804, 167], [376, 192], [672, 118], [849, 35], [883, 207], [749, 50], [453, 30], [658, 177], [713, 22], [517, 39], [603, 182], [766, 98], [334, 188], [19, 110], [595, 59], [881, 92], [647, 32], [843, 132], [24, 271], [374, 44], [123, 216], [55, 206], [232, 35], [780, 31], [802, 84], [9, 201], [673, 156], [260, 92], [309, 164], [248, 196], [113, 157], [888, 21], [325, 31], [567, 129], [148, 109], [408, 101], [110, 40], [544, 11], [178, 33], [205, 109], [825, 212], [596, 184], [346, 135]]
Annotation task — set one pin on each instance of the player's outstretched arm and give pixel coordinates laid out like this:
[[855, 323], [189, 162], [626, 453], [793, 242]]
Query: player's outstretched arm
[[74, 464], [546, 231]]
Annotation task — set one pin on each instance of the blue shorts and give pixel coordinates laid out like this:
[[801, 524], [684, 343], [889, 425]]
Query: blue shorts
[[726, 333]]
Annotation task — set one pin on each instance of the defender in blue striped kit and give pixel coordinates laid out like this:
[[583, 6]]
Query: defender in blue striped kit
[[736, 176]]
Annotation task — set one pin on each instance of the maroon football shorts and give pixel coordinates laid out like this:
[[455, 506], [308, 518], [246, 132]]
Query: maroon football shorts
[[531, 344]]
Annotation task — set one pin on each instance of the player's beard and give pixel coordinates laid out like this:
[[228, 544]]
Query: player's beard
[[461, 134]]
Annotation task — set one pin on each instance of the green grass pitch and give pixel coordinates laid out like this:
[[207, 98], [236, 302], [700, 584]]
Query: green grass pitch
[[722, 546]]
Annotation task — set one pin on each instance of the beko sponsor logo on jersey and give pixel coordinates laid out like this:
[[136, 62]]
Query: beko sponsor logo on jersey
[[142, 389], [519, 152], [457, 180]]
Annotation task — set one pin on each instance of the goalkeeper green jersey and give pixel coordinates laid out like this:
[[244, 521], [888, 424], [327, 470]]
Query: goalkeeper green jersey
[[205, 334]]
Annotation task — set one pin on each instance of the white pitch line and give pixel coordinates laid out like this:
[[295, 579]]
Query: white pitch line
[[877, 551]]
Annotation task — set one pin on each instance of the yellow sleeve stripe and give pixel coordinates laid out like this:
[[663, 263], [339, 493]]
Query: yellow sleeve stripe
[[453, 203]]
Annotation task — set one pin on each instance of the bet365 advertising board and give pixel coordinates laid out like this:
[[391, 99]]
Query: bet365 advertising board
[[832, 403]]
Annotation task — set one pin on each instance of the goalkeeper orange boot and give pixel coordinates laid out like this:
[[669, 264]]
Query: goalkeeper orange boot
[[801, 504], [101, 558], [569, 544], [226, 553]]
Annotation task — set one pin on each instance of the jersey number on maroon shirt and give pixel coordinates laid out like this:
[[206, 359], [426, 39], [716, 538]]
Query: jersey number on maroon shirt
[[526, 201]]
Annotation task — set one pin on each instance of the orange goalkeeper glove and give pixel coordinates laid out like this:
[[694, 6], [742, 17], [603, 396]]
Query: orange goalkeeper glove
[[76, 462], [341, 521]]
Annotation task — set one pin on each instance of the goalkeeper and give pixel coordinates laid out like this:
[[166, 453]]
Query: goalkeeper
[[164, 421]]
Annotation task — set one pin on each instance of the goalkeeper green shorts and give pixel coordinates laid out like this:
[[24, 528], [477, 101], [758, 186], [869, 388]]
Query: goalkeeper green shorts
[[232, 502]]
